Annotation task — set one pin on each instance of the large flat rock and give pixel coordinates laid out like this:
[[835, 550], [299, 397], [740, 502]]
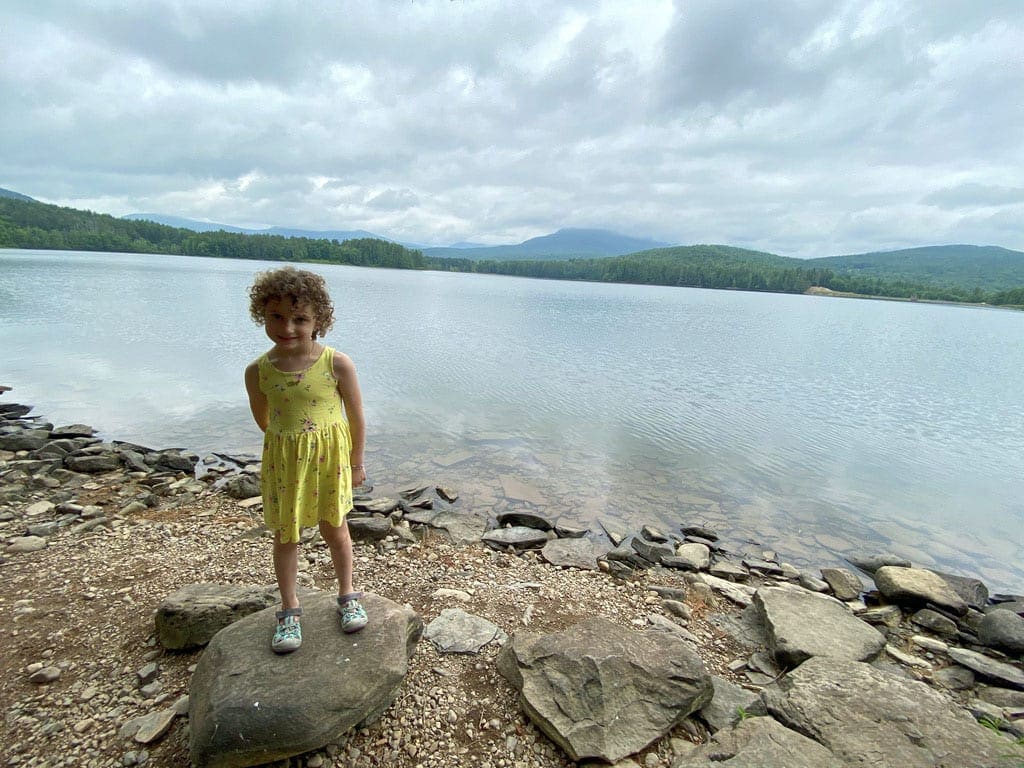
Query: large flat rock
[[250, 706], [759, 742], [916, 587], [800, 624], [601, 691], [868, 717]]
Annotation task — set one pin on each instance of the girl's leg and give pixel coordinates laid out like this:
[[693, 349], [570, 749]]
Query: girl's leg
[[340, 543], [286, 569]]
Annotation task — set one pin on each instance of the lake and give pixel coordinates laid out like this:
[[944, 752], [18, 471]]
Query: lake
[[808, 426]]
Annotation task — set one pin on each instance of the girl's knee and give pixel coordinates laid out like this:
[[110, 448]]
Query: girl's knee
[[334, 534]]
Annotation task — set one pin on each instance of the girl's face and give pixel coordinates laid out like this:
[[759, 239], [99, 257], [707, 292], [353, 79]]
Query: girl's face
[[289, 326]]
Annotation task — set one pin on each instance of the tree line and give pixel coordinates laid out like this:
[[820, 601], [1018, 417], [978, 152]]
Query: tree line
[[39, 225], [50, 227]]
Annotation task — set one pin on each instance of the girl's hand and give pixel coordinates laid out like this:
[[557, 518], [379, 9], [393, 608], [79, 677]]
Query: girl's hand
[[358, 477]]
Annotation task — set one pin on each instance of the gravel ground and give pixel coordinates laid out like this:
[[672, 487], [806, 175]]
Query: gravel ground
[[85, 605]]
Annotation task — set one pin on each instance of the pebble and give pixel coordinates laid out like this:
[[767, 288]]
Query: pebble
[[45, 675]]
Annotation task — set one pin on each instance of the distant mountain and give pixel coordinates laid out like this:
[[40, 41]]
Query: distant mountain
[[563, 244], [16, 196], [987, 267], [207, 226]]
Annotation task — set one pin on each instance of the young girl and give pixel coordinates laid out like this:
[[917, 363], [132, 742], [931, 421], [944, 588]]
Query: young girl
[[312, 452]]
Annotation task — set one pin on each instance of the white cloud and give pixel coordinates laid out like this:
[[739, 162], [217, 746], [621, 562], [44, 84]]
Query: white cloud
[[807, 127]]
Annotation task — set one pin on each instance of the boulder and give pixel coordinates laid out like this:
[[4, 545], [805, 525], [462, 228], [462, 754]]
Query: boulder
[[973, 591], [572, 553], [800, 625], [242, 486], [1004, 630], [103, 462], [179, 461], [652, 551], [24, 440], [369, 528], [191, 616], [935, 622], [601, 691], [693, 557], [866, 716], [518, 536], [759, 742], [845, 584], [248, 705], [456, 631], [916, 586]]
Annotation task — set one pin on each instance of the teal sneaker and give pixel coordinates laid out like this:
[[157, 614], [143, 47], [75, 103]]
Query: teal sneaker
[[288, 635], [353, 615]]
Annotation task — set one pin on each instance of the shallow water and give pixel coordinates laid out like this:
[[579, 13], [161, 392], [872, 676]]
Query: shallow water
[[804, 425]]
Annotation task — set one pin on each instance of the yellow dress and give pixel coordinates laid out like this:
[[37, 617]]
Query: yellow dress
[[306, 475]]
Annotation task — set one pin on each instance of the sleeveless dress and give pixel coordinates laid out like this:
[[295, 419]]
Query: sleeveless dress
[[306, 475]]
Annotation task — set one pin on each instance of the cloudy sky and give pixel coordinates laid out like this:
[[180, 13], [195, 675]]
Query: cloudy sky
[[805, 128]]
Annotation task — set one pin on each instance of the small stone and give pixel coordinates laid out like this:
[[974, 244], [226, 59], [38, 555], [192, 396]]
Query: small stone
[[154, 725], [147, 673], [45, 675]]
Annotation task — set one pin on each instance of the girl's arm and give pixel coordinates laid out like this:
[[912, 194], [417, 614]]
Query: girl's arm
[[348, 388], [257, 400]]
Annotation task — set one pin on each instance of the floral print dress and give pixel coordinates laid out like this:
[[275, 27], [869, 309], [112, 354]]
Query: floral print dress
[[306, 475]]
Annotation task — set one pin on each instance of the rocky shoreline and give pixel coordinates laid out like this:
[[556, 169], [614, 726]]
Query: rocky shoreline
[[525, 626]]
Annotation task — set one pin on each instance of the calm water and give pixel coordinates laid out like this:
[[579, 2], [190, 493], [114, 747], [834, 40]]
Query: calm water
[[804, 425]]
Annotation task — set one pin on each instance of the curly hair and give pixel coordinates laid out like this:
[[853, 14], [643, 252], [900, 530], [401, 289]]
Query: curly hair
[[301, 287]]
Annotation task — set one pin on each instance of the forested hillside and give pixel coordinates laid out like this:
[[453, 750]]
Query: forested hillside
[[987, 267], [38, 225]]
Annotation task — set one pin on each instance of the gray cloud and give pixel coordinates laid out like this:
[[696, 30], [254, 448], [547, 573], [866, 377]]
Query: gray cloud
[[806, 128]]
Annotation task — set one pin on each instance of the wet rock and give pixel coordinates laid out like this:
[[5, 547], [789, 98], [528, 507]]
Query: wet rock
[[650, 533], [525, 520], [413, 492], [448, 494], [582, 686], [698, 530], [729, 570], [566, 531], [869, 563]]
